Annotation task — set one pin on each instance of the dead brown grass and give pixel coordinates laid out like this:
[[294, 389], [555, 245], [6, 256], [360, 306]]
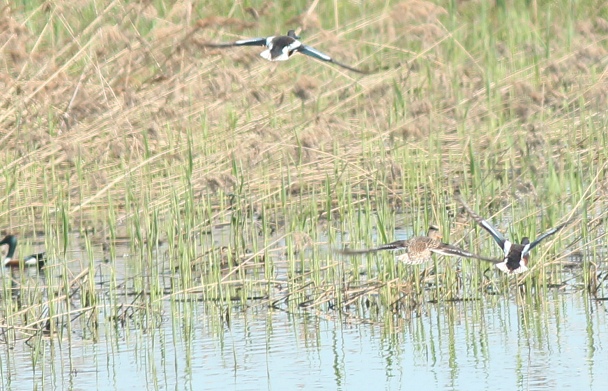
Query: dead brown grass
[[113, 101]]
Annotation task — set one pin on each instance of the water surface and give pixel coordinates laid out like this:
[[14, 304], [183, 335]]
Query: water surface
[[497, 344]]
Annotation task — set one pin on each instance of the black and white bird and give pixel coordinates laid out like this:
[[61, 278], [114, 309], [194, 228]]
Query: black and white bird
[[515, 256], [282, 47], [418, 250], [38, 259]]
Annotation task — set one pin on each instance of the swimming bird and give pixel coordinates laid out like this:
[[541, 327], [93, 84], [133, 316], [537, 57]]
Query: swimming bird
[[281, 47], [419, 249], [515, 256], [32, 260]]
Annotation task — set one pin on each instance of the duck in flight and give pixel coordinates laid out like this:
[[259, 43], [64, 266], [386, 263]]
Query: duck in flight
[[33, 260], [515, 256], [281, 47], [419, 249]]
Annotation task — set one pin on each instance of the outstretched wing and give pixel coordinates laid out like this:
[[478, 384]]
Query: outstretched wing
[[312, 52], [398, 245], [544, 236], [455, 251], [242, 42], [498, 237]]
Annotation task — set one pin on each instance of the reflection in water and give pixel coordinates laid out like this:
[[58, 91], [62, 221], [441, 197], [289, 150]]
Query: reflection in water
[[468, 345], [502, 342]]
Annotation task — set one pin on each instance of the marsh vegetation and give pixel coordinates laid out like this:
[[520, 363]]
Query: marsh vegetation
[[180, 190]]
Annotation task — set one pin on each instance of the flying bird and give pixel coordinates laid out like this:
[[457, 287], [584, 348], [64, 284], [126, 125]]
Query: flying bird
[[32, 260], [419, 249], [281, 47], [515, 256]]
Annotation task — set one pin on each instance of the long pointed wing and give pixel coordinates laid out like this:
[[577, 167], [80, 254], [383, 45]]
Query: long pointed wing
[[242, 42], [398, 245], [312, 52], [544, 236], [498, 237], [454, 251]]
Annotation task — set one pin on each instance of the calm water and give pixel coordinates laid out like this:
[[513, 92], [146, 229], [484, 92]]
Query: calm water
[[558, 344], [556, 341]]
